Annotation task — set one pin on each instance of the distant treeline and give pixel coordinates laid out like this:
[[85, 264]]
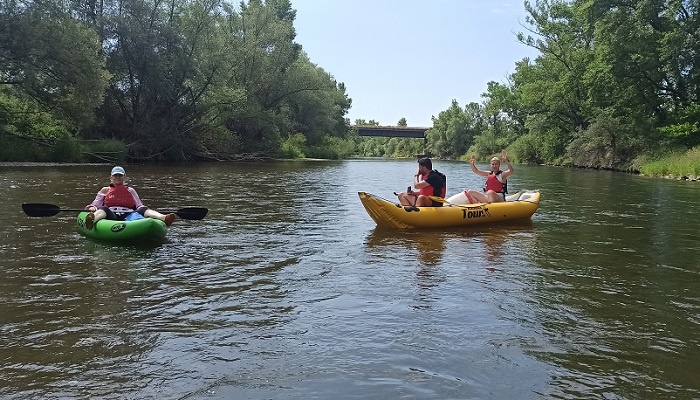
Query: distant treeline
[[161, 80], [615, 85]]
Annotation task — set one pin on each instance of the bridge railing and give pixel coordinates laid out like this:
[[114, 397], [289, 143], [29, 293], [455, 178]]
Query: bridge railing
[[391, 131]]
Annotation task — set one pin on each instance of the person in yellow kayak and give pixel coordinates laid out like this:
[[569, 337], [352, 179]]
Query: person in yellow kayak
[[121, 203], [496, 185], [429, 182]]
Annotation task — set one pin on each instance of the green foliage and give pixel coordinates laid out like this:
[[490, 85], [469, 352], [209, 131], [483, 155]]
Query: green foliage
[[597, 146], [332, 148], [67, 149], [199, 79], [454, 130], [170, 80], [47, 56], [686, 132], [364, 122], [487, 143], [112, 151], [30, 134], [372, 146], [526, 149], [293, 146], [685, 164], [62, 149], [315, 102], [388, 147]]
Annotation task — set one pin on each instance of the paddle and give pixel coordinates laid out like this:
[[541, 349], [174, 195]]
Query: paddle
[[441, 200], [49, 210]]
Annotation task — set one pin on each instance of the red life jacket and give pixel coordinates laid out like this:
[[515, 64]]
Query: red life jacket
[[492, 183], [119, 196], [438, 191]]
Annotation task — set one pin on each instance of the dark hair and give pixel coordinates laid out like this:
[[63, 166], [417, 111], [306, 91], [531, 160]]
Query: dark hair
[[425, 162]]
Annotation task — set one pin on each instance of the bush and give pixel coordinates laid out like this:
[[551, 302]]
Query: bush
[[674, 164], [332, 148], [526, 150], [25, 149], [111, 150], [293, 146], [67, 149], [488, 143]]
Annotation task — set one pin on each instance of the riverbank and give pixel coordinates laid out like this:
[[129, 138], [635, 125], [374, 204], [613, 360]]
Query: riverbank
[[44, 164], [681, 166]]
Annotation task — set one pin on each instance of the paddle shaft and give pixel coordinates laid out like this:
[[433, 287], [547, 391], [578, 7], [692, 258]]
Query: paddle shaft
[[441, 200], [49, 210]]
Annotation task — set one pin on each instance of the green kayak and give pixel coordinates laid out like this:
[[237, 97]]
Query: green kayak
[[146, 229]]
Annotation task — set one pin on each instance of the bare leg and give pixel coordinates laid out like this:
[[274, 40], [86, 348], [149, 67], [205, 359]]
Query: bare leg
[[153, 214], [407, 199], [99, 214], [168, 219], [494, 197], [478, 196], [424, 201]]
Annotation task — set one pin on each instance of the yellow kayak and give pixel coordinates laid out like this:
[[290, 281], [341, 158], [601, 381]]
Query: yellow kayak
[[389, 214]]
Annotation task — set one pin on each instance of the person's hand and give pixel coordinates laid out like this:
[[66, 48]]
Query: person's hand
[[504, 155], [472, 159]]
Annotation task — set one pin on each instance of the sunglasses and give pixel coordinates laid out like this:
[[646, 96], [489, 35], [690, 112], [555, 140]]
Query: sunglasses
[[118, 175]]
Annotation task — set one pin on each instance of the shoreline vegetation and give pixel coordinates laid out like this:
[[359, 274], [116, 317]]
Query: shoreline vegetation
[[683, 166], [206, 81], [610, 88]]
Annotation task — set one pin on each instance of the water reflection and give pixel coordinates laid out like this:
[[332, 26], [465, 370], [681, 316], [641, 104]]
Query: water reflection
[[427, 246]]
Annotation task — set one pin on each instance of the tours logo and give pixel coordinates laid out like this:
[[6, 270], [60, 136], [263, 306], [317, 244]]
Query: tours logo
[[477, 213]]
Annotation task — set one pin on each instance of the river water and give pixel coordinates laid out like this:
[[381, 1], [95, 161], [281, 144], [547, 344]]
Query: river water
[[287, 290]]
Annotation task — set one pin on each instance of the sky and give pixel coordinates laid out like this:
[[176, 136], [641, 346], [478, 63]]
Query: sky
[[411, 58]]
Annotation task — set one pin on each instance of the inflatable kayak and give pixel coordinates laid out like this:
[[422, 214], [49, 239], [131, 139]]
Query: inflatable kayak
[[145, 229], [389, 214]]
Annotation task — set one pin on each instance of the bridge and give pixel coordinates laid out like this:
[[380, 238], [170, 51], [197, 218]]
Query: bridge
[[395, 131], [391, 131]]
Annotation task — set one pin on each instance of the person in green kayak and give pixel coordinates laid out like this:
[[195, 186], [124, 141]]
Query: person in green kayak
[[429, 182], [121, 203]]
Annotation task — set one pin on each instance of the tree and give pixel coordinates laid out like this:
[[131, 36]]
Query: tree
[[49, 58], [454, 129]]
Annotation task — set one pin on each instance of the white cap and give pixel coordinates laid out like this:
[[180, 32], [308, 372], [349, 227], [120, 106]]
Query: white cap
[[118, 170]]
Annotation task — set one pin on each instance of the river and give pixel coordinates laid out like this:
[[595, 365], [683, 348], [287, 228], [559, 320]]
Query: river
[[287, 290]]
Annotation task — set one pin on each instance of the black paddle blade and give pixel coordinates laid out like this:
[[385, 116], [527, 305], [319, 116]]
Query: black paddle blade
[[40, 209], [191, 212]]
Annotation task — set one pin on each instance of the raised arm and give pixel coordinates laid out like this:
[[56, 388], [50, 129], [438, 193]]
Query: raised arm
[[506, 174], [475, 169]]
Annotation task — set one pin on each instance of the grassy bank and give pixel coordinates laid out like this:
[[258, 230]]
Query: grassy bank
[[60, 149], [676, 165]]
